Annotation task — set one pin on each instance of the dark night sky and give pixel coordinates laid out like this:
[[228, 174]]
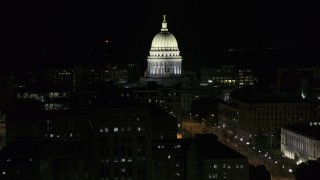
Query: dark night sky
[[204, 30]]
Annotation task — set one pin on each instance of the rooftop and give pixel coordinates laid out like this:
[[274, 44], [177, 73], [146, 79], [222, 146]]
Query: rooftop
[[306, 129]]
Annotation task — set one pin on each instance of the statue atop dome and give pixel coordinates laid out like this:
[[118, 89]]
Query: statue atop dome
[[164, 60], [164, 24]]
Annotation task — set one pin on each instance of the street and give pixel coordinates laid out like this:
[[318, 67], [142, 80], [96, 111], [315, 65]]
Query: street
[[256, 157]]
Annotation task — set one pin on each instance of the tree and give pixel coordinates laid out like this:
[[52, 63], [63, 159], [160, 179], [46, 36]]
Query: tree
[[307, 170]]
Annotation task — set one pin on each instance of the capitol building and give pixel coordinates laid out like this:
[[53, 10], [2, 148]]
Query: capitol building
[[164, 61]]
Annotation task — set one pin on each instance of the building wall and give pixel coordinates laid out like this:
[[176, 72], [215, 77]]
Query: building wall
[[122, 140], [298, 146], [169, 99], [122, 143], [175, 100], [269, 117], [226, 169], [189, 96], [169, 161], [228, 75], [228, 115]]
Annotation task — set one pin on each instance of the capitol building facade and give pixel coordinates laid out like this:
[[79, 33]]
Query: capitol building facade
[[164, 61]]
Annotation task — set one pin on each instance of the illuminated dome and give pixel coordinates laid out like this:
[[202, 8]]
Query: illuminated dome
[[164, 60], [164, 40]]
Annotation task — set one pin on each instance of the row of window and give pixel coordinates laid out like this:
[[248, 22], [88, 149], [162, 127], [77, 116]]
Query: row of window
[[176, 146], [120, 129], [289, 108], [116, 160], [278, 119], [225, 166], [51, 135], [122, 139]]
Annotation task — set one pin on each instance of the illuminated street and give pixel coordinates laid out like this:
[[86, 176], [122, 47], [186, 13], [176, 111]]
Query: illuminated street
[[193, 127], [277, 171]]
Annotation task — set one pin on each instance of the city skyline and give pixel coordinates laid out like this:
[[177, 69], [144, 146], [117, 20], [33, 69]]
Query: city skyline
[[159, 90], [207, 33]]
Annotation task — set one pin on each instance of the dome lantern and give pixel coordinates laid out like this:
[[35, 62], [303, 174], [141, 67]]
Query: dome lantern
[[164, 24]]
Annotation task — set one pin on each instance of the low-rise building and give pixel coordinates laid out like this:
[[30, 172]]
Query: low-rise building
[[257, 114], [301, 141]]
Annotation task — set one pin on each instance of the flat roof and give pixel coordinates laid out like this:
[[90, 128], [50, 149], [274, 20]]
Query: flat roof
[[305, 129]]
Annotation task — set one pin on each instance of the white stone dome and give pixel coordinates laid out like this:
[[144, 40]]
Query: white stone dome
[[164, 40]]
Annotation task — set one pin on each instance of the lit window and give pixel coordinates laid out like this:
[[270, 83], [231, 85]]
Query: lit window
[[160, 146], [169, 156], [123, 159], [215, 166], [177, 146], [213, 176], [138, 129], [115, 129]]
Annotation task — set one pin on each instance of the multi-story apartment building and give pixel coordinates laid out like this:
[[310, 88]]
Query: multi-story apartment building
[[228, 75], [123, 139]]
